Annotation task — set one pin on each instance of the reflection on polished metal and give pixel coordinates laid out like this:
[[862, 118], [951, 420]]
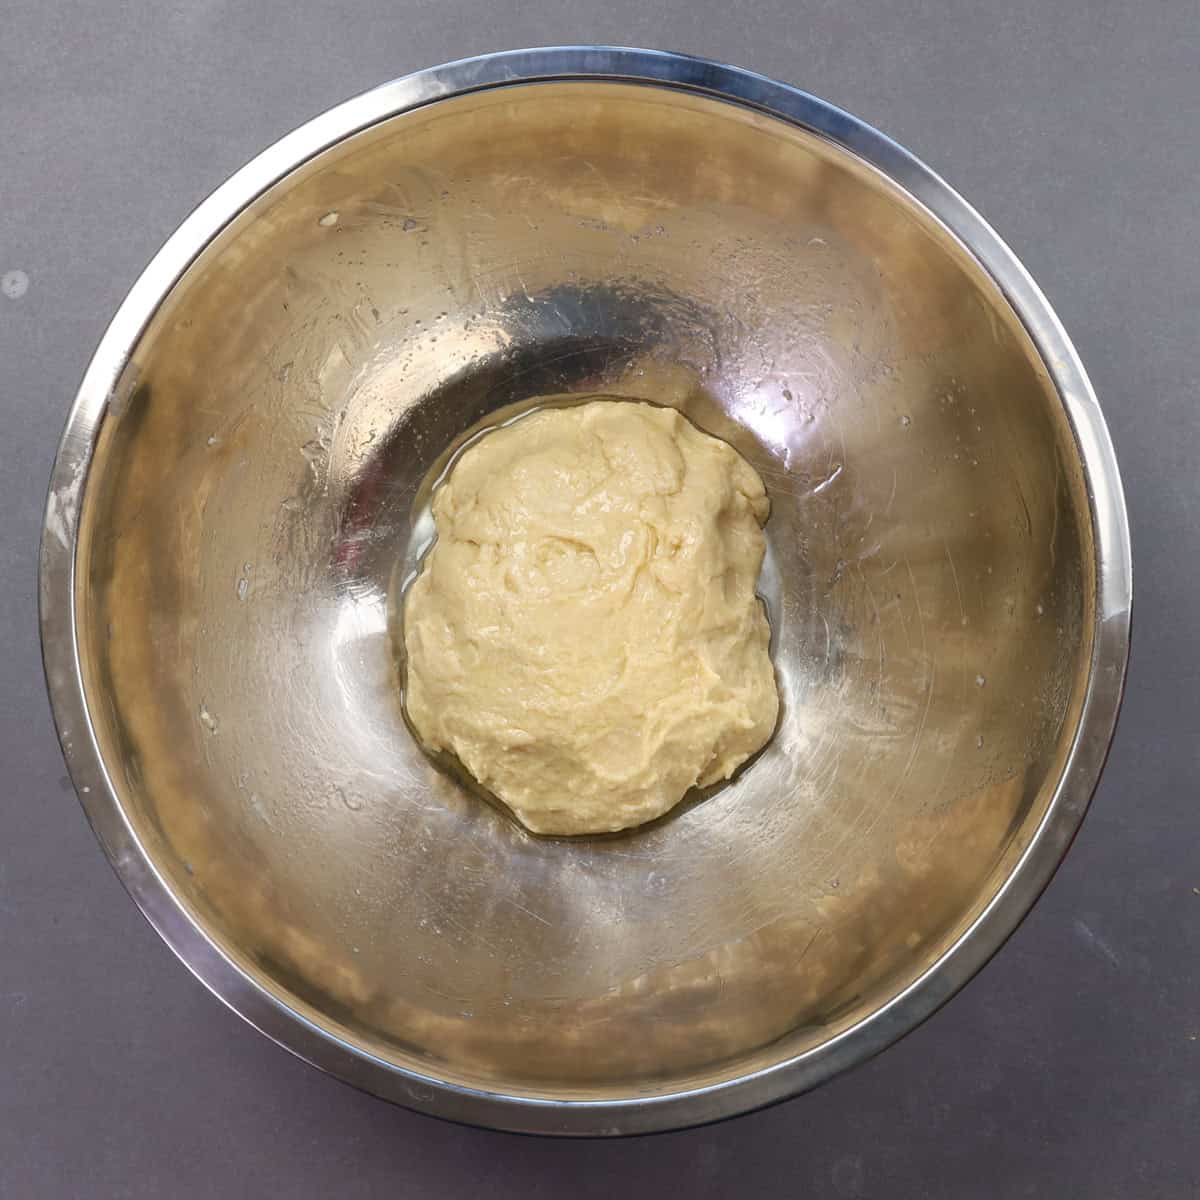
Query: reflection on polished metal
[[948, 573]]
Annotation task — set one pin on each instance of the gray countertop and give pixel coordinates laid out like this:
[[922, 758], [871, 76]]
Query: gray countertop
[[1071, 1066]]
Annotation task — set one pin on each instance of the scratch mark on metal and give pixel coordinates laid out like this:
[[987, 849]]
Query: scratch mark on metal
[[878, 624], [1054, 502], [529, 912], [912, 579], [962, 612], [1024, 507], [837, 470], [521, 281]]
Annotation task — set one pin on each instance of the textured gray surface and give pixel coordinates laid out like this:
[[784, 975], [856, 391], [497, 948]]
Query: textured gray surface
[[1071, 1066]]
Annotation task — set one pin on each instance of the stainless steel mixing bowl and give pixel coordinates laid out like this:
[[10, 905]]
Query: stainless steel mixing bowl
[[238, 486]]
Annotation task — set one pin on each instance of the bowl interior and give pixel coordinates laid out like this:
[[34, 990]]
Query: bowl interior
[[259, 481]]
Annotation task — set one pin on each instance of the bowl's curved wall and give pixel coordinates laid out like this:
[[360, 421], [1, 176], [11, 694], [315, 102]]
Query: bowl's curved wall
[[932, 587]]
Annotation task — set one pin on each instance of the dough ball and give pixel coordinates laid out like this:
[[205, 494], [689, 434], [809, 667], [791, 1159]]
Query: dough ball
[[585, 635]]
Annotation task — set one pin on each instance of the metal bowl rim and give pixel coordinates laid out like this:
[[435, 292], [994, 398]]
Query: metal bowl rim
[[636, 1114]]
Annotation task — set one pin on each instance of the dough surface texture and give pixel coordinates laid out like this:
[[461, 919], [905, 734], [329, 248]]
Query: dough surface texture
[[585, 635]]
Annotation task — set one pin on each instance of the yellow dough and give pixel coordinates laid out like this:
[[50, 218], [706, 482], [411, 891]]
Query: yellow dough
[[585, 634]]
